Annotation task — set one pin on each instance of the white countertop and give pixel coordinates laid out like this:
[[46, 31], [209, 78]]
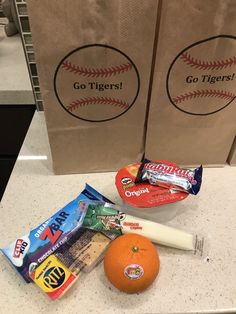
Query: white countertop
[[15, 85], [186, 284]]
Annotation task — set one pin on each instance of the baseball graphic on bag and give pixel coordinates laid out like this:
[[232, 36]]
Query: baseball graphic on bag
[[96, 83], [201, 79]]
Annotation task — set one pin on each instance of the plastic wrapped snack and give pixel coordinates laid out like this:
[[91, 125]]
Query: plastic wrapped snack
[[111, 217], [83, 251], [53, 277], [163, 174], [30, 250]]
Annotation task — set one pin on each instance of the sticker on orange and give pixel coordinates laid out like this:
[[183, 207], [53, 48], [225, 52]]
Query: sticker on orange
[[133, 271], [144, 195]]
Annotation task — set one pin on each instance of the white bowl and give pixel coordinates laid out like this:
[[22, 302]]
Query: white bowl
[[161, 213]]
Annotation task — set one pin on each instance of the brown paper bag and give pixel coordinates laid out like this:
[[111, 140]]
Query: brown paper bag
[[232, 154], [192, 117], [94, 61]]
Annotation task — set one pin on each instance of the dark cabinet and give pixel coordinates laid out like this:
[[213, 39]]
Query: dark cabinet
[[6, 167], [14, 123]]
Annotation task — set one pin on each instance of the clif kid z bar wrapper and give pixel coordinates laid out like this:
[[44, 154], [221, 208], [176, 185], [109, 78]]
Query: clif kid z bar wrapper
[[163, 174], [30, 250]]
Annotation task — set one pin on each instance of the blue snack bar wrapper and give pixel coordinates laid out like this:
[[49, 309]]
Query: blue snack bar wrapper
[[28, 251]]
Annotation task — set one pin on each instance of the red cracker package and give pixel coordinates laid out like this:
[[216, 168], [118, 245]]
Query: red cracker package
[[163, 174]]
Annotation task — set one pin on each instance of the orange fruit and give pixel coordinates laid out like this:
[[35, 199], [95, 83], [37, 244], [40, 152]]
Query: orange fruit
[[131, 263]]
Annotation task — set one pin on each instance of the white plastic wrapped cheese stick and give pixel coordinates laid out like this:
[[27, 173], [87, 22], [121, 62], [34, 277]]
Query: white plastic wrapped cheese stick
[[158, 233]]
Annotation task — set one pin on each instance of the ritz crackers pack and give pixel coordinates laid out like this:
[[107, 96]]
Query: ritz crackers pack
[[53, 277], [59, 271]]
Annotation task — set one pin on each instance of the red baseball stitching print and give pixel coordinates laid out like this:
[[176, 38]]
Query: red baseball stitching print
[[96, 83], [99, 72], [207, 65], [204, 93], [97, 100]]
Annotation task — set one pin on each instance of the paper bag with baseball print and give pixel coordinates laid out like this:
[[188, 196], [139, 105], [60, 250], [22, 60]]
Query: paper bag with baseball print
[[192, 117], [94, 62]]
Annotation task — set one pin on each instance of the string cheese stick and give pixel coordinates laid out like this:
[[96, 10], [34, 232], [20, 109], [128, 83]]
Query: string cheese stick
[[158, 233]]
